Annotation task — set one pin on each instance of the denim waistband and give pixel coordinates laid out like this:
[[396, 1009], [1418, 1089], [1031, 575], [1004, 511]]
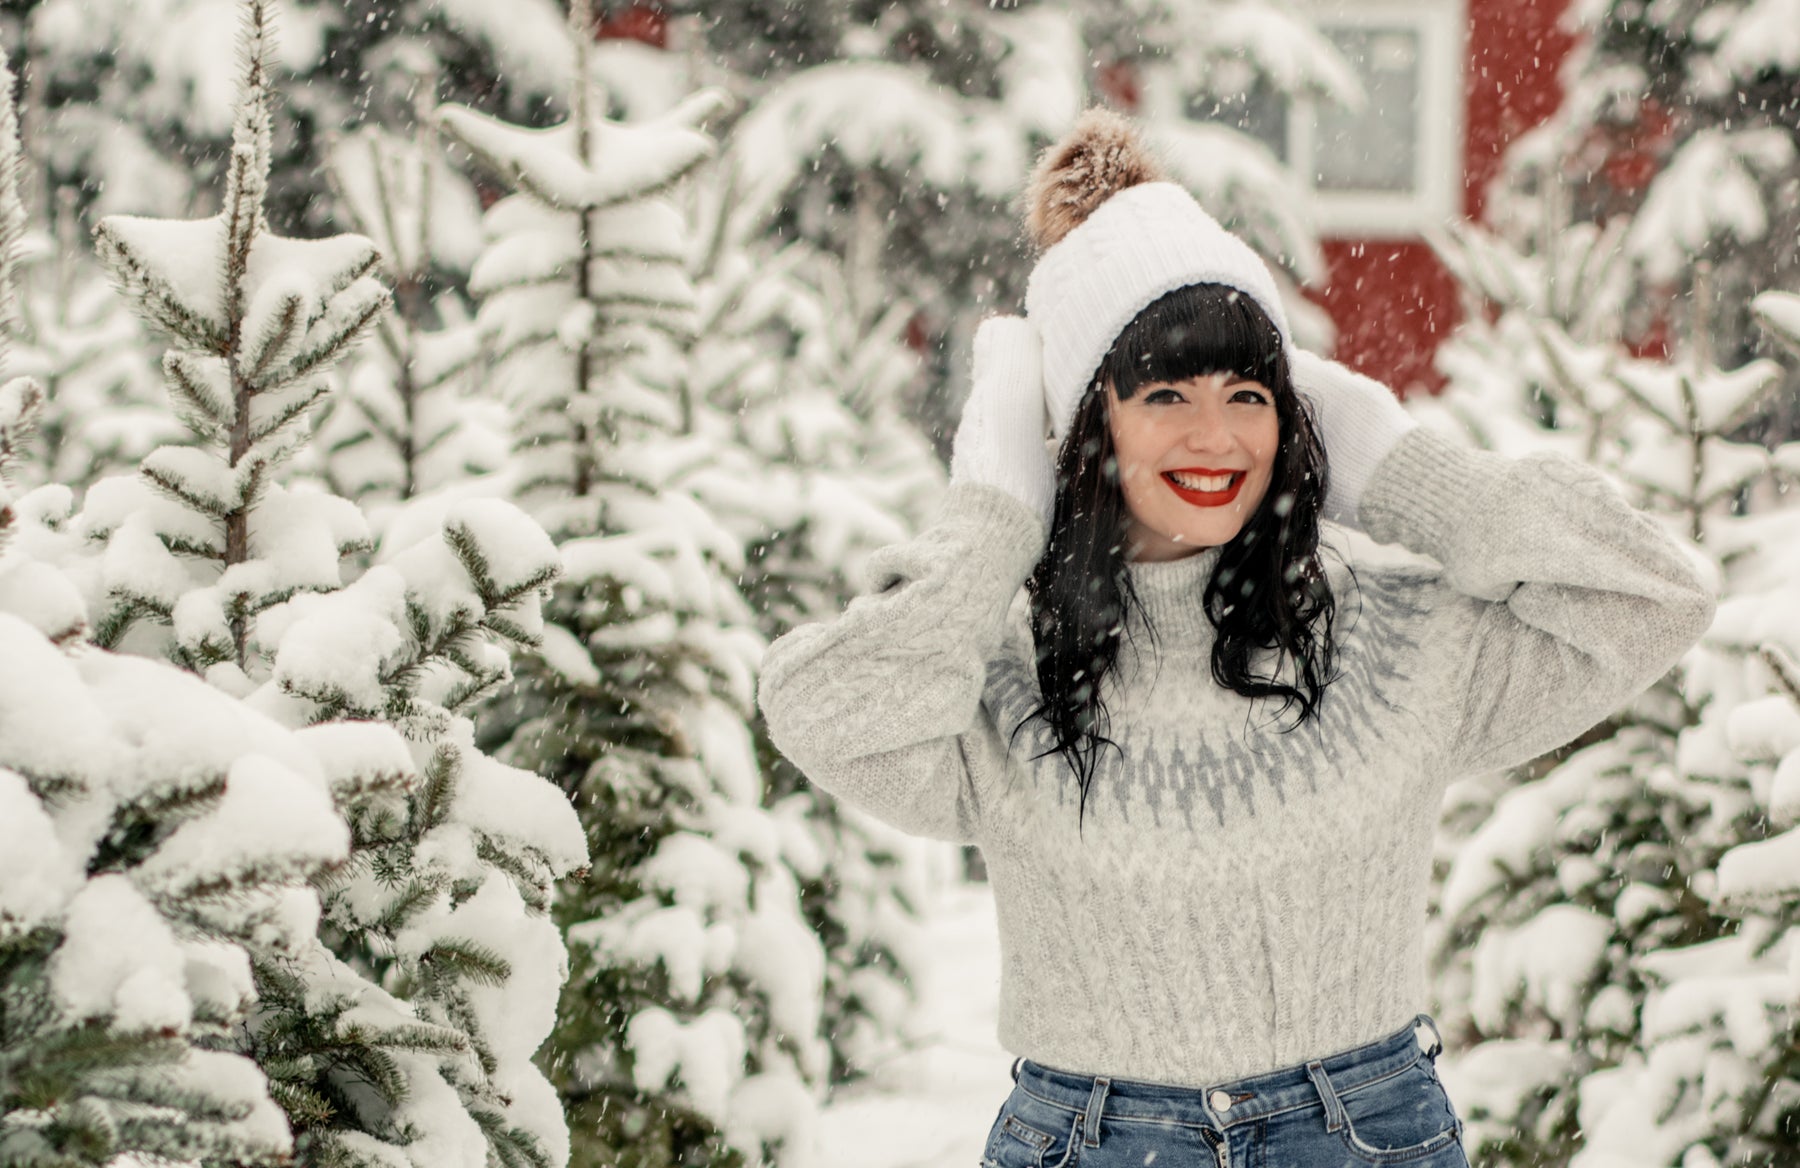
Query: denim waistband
[[1232, 1102]]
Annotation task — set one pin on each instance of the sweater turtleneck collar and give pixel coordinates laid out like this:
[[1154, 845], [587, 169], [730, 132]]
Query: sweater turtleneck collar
[[1172, 592]]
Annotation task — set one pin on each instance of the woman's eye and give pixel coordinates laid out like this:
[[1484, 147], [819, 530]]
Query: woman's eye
[[1162, 395], [1251, 395]]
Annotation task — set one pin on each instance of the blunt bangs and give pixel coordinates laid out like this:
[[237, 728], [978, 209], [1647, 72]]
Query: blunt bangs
[[1194, 331]]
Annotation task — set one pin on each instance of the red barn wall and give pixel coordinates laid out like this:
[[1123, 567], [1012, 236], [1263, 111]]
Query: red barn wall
[[1391, 299]]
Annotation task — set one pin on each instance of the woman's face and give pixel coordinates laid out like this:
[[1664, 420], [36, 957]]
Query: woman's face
[[1195, 459]]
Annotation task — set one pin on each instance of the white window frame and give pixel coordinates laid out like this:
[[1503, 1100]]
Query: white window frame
[[1436, 198]]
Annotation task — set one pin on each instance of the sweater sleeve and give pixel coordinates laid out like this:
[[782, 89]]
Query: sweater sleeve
[[881, 706], [1563, 602]]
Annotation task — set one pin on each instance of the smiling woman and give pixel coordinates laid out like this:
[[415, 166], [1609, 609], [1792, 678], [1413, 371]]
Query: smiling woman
[[1207, 808], [1195, 388], [1194, 461]]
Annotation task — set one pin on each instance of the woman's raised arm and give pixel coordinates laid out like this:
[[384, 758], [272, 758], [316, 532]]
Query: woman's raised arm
[[1569, 602], [882, 705], [1563, 601]]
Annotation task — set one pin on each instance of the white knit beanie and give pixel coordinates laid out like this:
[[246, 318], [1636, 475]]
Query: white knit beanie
[[1116, 238]]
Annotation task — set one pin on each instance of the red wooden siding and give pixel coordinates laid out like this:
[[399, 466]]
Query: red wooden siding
[[1390, 298]]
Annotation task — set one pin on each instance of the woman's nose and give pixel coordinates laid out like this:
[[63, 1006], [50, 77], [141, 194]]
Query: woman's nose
[[1208, 432]]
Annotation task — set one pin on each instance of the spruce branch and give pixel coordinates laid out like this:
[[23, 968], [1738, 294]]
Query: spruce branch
[[118, 619], [262, 349], [228, 883], [247, 174], [517, 1147], [452, 1000], [21, 402], [417, 448], [509, 630], [203, 408], [66, 1055], [285, 418], [156, 299], [438, 791], [54, 788], [415, 897], [182, 544], [305, 1107], [352, 310], [331, 703], [536, 583], [467, 549], [1784, 668], [460, 654], [177, 488], [12, 208], [465, 960], [472, 690], [424, 1038], [372, 823], [362, 1053], [531, 871], [139, 825]]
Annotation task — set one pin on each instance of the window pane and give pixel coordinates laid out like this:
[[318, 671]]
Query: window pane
[[1375, 149], [1258, 110]]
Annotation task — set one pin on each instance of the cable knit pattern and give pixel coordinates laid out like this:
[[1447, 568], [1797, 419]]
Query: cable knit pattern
[[1238, 898]]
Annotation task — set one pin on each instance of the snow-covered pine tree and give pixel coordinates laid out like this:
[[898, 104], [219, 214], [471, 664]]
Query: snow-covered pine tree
[[801, 383], [1705, 97], [409, 419], [1575, 913], [153, 834], [404, 1032], [157, 837], [689, 1033], [795, 378], [1714, 1077]]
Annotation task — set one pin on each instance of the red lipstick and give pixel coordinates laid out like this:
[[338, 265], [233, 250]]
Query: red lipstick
[[1206, 498]]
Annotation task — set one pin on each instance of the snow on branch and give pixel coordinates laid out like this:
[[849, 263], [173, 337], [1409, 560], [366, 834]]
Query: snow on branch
[[247, 174], [22, 398], [1779, 313], [20, 401], [12, 209], [624, 161], [1709, 193]]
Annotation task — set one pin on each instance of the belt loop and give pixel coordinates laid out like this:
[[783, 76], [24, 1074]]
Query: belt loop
[[1015, 1067], [1437, 1039], [1090, 1127], [1335, 1117]]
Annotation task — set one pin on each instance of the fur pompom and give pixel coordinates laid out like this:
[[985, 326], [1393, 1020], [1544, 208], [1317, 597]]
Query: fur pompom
[[1100, 156]]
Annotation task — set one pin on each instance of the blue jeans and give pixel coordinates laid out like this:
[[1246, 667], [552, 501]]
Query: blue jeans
[[1377, 1104]]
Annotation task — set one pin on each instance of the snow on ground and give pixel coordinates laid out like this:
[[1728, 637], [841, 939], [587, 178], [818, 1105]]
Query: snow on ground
[[931, 1105]]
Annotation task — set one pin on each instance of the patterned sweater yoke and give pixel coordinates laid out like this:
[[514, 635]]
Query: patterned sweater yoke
[[1240, 894]]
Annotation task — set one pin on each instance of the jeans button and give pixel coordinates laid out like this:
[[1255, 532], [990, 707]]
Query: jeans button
[[1220, 1101]]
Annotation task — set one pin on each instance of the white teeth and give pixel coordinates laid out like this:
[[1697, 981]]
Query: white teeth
[[1201, 482]]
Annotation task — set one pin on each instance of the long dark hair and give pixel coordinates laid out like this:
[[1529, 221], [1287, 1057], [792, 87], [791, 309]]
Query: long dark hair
[[1080, 589]]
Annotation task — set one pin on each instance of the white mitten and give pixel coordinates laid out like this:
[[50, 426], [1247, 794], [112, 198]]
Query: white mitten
[[1360, 420], [1000, 441]]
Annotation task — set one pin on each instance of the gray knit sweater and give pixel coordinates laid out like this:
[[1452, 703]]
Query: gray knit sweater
[[1238, 898]]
